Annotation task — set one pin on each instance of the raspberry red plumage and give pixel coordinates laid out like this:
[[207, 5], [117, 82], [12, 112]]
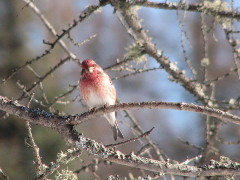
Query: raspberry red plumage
[[97, 90]]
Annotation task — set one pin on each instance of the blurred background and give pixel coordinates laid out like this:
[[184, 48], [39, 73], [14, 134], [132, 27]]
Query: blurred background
[[178, 34]]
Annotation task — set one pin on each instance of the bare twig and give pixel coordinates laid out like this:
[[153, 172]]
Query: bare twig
[[41, 79], [2, 174], [130, 140], [187, 161], [143, 149], [138, 71], [221, 140], [38, 162], [190, 144], [63, 158], [33, 145], [29, 95], [82, 43], [57, 98], [83, 15], [91, 166], [183, 45], [222, 77], [159, 152]]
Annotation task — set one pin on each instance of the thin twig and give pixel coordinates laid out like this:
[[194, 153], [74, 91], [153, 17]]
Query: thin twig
[[82, 43], [187, 161], [137, 71], [33, 145], [3, 174], [190, 144], [38, 160], [41, 79], [131, 140], [63, 158], [83, 15], [228, 142]]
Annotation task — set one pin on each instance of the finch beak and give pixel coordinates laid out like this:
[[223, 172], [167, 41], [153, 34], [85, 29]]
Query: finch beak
[[90, 69]]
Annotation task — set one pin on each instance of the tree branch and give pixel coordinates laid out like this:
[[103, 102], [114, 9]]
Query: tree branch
[[224, 116], [47, 119], [131, 22], [198, 7], [67, 131]]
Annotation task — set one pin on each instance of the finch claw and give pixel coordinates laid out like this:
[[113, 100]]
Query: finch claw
[[92, 109], [105, 105]]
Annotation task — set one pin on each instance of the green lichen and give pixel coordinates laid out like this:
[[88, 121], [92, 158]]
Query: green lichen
[[212, 7], [43, 168], [120, 155], [232, 101], [224, 163], [173, 66], [136, 52], [112, 177], [66, 157], [205, 62], [66, 174]]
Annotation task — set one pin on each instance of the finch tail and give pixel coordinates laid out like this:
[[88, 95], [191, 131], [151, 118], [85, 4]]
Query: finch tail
[[116, 131]]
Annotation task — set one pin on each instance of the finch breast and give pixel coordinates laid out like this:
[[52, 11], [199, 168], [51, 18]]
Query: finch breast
[[98, 91]]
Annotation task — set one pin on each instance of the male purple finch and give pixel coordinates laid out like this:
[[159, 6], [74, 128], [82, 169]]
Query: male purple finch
[[97, 90]]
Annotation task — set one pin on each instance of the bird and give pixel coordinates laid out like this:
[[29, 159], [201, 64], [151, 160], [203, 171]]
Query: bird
[[97, 90]]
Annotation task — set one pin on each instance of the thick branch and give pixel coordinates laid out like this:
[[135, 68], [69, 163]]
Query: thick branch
[[131, 22], [224, 116], [47, 119], [163, 167], [198, 7]]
